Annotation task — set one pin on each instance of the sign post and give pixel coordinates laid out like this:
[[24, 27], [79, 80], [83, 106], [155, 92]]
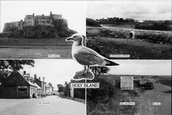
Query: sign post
[[127, 83]]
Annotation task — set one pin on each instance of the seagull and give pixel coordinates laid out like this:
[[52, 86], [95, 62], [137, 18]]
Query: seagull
[[86, 56]]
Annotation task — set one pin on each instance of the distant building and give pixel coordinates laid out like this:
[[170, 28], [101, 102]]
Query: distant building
[[47, 89]]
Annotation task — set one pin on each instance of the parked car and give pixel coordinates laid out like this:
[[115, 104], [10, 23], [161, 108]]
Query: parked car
[[146, 84]]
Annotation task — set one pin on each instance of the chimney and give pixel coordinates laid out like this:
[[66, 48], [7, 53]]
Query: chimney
[[33, 14], [51, 13], [24, 72], [35, 76]]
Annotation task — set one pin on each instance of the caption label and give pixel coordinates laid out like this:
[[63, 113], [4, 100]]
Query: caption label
[[156, 103], [119, 55], [84, 85], [43, 103], [127, 103], [54, 55]]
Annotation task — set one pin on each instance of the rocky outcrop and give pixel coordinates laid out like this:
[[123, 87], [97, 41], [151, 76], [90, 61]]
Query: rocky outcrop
[[59, 28]]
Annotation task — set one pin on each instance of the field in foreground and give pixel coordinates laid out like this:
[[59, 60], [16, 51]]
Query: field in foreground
[[109, 41], [34, 48], [33, 42]]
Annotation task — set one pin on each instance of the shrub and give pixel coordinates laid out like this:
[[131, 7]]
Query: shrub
[[154, 36], [165, 82], [106, 99], [153, 26], [91, 22]]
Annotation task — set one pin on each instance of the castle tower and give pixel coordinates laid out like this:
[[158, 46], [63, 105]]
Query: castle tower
[[50, 13]]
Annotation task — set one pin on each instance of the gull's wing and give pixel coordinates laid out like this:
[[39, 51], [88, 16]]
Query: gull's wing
[[87, 56]]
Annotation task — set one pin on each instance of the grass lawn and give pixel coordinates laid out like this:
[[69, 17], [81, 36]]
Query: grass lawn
[[63, 52], [136, 48], [35, 48], [34, 42]]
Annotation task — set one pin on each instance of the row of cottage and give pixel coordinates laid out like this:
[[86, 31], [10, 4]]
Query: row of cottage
[[18, 85]]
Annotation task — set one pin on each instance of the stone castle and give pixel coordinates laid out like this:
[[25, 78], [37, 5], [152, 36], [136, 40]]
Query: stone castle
[[32, 20], [39, 26]]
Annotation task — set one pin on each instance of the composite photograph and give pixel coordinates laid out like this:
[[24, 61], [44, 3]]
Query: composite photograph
[[85, 57]]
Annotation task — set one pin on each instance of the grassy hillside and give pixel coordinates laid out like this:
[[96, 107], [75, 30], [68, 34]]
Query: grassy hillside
[[146, 45]]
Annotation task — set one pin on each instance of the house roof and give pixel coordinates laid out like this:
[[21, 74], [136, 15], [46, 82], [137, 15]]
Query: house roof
[[16, 79], [38, 87]]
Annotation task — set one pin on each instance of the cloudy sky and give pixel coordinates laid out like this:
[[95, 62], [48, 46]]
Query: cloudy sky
[[73, 11], [57, 71], [137, 9], [76, 11]]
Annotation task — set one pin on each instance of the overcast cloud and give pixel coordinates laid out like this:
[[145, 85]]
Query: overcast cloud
[[136, 10]]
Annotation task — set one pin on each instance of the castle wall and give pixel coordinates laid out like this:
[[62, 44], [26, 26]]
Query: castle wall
[[7, 27], [29, 20], [45, 22], [56, 16]]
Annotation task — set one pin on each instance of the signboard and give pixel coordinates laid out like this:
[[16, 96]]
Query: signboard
[[22, 86], [84, 85], [126, 83]]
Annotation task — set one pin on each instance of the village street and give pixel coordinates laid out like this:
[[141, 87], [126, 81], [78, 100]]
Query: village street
[[51, 105]]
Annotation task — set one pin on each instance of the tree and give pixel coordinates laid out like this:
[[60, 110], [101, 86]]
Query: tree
[[16, 64], [97, 70], [50, 84], [6, 66], [60, 87]]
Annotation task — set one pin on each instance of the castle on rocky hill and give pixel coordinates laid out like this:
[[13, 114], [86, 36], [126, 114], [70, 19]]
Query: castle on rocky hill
[[39, 26], [32, 20]]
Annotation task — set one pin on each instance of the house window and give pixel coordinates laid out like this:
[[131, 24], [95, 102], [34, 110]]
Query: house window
[[22, 91]]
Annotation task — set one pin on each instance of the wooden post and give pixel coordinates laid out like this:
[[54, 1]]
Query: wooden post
[[86, 93]]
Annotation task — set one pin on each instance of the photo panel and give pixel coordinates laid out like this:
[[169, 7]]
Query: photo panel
[[38, 29], [137, 36], [134, 87], [40, 86], [130, 29]]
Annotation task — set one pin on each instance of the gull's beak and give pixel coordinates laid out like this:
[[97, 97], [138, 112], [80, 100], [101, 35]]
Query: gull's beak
[[69, 39]]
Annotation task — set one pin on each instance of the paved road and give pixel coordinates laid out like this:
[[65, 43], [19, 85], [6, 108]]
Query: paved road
[[51, 105], [158, 94]]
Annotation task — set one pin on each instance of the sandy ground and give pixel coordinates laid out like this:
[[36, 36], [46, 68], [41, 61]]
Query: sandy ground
[[51, 105], [158, 94]]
